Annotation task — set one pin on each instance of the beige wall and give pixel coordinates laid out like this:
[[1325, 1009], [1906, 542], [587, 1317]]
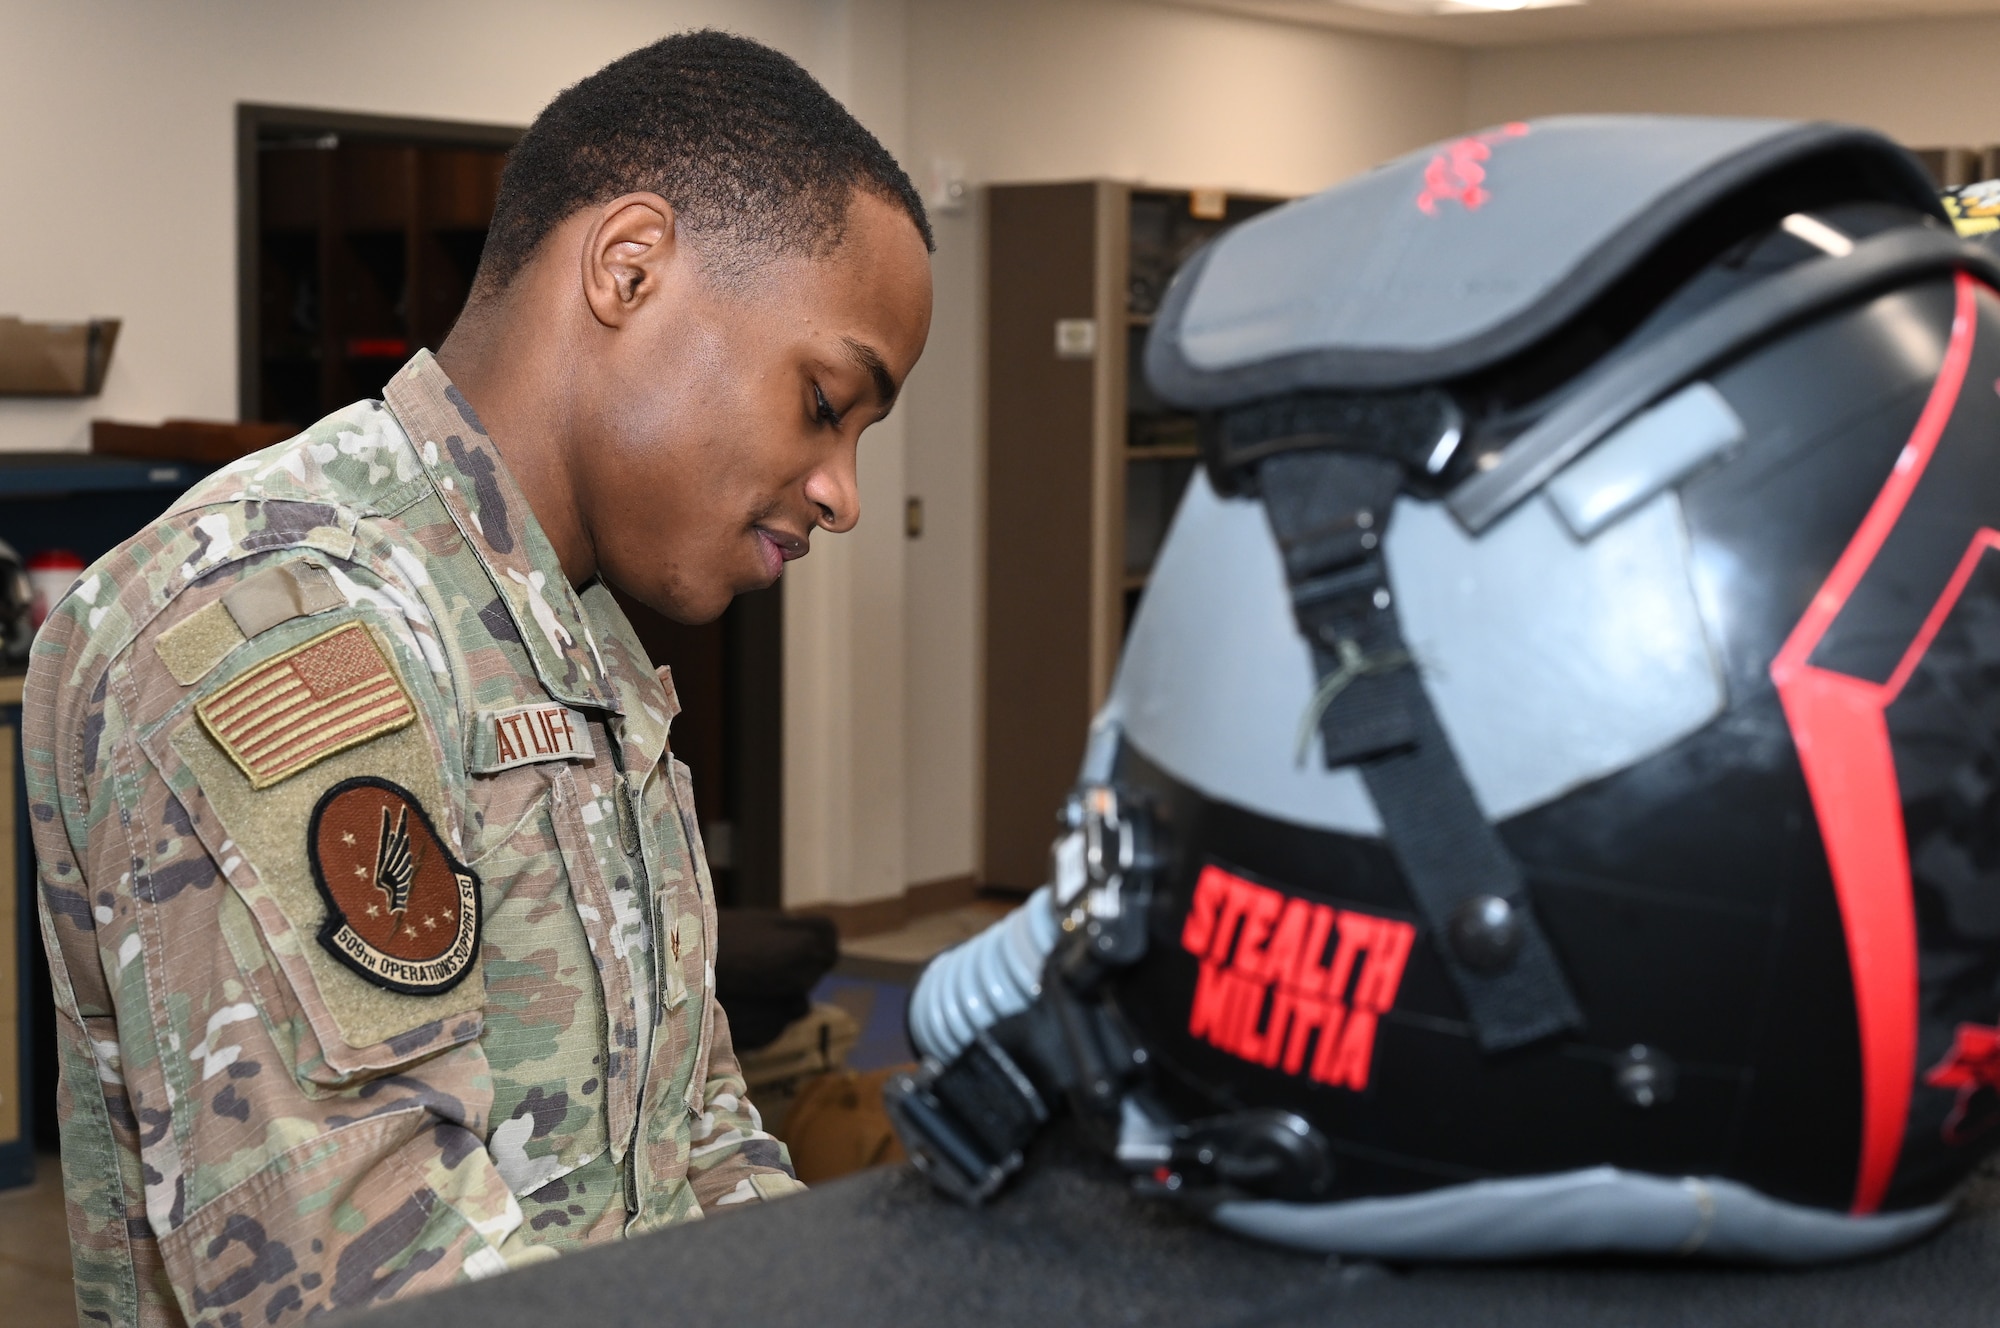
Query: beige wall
[[118, 148], [846, 701], [1920, 81], [1066, 89]]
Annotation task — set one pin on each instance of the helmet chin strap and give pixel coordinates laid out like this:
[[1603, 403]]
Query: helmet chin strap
[[990, 1079], [1329, 501]]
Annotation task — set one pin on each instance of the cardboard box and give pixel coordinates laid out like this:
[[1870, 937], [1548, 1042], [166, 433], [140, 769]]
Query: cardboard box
[[210, 441], [55, 359]]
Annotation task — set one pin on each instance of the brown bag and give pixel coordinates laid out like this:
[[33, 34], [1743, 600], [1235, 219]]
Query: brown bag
[[837, 1126]]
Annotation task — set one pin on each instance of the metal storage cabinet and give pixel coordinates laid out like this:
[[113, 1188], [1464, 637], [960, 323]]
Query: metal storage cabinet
[[1083, 468]]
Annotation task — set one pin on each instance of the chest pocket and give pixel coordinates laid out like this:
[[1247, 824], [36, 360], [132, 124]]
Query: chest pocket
[[584, 806], [686, 903], [554, 1070]]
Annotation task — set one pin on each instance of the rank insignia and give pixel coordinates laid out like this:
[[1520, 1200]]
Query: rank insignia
[[400, 909], [333, 692]]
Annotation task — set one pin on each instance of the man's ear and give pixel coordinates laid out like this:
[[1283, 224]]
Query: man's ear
[[625, 255]]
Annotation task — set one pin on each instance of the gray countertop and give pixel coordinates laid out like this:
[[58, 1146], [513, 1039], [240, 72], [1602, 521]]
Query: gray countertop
[[1069, 1244]]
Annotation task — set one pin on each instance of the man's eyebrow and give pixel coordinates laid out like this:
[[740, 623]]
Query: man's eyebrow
[[870, 359]]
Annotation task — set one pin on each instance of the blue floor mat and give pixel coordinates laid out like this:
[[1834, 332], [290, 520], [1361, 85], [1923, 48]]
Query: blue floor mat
[[878, 1007]]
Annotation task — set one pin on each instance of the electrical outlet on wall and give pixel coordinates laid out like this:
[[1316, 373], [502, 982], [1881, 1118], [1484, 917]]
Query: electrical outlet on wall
[[948, 192], [1076, 338]]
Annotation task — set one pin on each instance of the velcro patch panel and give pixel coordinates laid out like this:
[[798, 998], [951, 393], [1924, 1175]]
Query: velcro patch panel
[[280, 594]]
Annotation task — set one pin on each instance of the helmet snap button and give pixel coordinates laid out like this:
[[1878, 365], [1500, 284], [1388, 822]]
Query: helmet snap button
[[1644, 1076], [1485, 933]]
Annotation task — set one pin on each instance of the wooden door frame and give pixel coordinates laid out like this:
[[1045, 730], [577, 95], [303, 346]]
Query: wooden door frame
[[252, 120]]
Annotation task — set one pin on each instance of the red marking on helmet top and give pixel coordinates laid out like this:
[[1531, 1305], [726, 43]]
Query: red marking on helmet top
[[1458, 172]]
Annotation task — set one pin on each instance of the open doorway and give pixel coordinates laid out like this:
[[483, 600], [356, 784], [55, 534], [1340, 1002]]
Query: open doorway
[[358, 237]]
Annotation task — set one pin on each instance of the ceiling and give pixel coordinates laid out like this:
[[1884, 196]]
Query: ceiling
[[1596, 19]]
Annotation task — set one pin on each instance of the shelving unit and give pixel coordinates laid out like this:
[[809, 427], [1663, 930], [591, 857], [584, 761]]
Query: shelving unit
[[85, 504], [1954, 166], [1085, 467]]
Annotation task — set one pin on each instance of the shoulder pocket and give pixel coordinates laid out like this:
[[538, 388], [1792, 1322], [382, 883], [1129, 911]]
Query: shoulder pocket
[[320, 794]]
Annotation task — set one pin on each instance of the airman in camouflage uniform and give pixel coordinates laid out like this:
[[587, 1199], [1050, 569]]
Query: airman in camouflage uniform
[[260, 1120]]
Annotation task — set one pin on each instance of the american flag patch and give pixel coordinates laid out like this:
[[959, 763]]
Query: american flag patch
[[322, 697]]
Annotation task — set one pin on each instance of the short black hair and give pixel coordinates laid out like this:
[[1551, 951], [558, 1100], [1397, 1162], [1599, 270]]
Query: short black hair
[[748, 148]]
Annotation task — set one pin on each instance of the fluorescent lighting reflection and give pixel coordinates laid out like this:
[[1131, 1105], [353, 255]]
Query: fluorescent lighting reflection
[[1495, 6], [1433, 7]]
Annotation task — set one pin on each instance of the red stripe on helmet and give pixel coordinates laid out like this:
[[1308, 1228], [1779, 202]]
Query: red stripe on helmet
[[1842, 736], [1967, 565]]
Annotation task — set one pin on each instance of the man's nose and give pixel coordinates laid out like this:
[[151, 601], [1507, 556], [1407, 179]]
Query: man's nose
[[835, 489]]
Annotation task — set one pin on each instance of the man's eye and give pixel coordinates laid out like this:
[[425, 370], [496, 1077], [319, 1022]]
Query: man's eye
[[827, 414]]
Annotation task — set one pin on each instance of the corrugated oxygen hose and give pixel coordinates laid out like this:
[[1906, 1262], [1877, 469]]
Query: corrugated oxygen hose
[[974, 985]]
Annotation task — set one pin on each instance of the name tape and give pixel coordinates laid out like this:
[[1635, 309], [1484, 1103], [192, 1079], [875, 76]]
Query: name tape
[[521, 735]]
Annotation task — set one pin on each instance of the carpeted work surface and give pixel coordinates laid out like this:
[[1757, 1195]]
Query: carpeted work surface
[[1070, 1245]]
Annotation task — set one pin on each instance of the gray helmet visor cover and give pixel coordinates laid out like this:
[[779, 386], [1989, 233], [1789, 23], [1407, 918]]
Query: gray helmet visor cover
[[1456, 256]]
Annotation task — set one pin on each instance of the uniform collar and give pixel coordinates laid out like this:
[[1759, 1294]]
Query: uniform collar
[[493, 515]]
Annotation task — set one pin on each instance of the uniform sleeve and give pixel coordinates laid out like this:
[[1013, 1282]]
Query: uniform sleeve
[[291, 1140], [102, 1190], [732, 1159]]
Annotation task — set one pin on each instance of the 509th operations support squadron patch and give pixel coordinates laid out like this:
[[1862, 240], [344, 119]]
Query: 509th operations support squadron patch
[[401, 910]]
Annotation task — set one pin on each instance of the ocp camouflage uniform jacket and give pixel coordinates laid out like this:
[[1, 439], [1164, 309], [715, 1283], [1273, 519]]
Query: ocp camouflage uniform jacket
[[283, 1090]]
